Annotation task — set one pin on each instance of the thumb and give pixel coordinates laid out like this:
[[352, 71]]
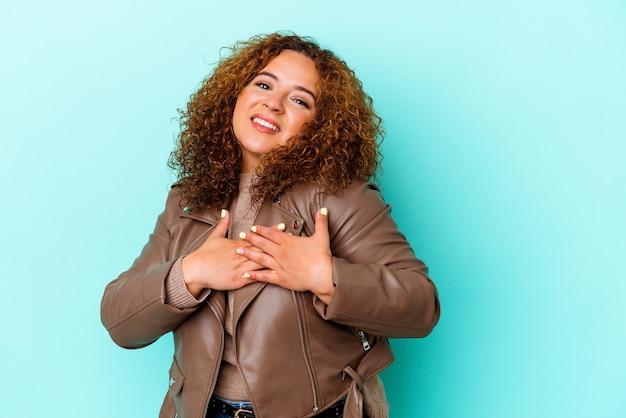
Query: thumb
[[321, 223], [221, 229]]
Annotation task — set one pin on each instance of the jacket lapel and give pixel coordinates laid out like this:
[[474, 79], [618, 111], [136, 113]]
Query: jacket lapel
[[273, 214], [269, 214], [209, 216]]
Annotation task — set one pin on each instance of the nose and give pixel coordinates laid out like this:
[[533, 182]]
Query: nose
[[274, 102]]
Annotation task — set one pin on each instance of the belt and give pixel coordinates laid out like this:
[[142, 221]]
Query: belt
[[229, 410], [334, 411]]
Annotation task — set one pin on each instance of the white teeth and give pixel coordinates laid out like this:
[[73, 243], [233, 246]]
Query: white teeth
[[265, 123]]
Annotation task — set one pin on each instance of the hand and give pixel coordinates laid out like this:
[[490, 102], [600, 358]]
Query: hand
[[216, 264], [292, 262]]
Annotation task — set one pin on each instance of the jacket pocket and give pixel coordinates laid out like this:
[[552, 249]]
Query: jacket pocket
[[177, 378]]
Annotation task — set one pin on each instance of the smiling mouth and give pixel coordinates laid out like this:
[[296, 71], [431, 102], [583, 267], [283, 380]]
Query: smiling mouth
[[266, 124]]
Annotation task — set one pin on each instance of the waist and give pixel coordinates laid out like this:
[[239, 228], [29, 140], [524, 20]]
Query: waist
[[238, 409]]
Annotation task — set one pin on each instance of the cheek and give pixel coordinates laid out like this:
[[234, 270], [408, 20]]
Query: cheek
[[238, 112], [300, 121], [244, 99]]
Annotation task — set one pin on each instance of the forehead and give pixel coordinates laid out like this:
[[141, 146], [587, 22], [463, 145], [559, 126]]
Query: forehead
[[293, 67]]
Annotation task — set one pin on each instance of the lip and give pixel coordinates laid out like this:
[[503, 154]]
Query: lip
[[262, 128]]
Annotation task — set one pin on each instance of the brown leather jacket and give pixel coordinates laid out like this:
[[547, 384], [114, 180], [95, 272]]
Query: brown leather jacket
[[297, 355]]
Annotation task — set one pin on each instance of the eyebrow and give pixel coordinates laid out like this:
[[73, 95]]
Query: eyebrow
[[297, 87]]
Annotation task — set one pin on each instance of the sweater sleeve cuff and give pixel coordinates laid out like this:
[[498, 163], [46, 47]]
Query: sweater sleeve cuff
[[176, 292]]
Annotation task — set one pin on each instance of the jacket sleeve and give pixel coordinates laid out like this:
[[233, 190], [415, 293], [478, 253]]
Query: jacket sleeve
[[133, 308], [381, 287]]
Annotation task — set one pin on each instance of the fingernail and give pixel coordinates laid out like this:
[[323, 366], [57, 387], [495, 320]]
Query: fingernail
[[324, 211], [246, 275], [242, 235], [223, 213], [240, 251], [281, 226], [253, 229]]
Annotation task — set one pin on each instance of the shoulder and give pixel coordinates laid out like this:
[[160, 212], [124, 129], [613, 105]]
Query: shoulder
[[176, 210], [174, 204], [355, 206], [358, 189], [360, 197], [310, 198]]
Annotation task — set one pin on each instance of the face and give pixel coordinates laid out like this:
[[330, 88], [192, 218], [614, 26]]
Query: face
[[275, 105]]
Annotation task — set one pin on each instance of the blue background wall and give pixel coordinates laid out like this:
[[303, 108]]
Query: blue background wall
[[504, 163]]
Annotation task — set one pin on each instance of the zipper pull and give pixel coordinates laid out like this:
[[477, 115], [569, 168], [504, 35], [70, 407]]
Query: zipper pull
[[366, 344]]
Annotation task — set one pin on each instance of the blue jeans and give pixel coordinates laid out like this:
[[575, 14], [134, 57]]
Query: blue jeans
[[248, 406], [235, 404]]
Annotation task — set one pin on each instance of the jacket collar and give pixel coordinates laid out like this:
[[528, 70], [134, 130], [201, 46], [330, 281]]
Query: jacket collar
[[269, 214], [209, 215], [272, 213]]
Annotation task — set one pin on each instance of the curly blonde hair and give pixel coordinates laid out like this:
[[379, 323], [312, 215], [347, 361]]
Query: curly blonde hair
[[340, 145]]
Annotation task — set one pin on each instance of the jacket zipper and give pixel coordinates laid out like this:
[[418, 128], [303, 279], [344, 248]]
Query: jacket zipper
[[363, 337], [297, 297], [207, 398]]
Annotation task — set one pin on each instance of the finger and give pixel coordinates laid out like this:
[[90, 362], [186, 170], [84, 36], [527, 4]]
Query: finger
[[321, 221], [265, 239], [258, 257], [274, 234], [267, 276], [221, 229], [246, 248], [279, 227], [249, 265]]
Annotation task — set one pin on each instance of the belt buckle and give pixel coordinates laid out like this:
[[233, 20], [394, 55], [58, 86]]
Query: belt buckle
[[243, 411]]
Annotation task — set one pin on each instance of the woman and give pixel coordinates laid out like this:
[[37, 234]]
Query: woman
[[276, 262]]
